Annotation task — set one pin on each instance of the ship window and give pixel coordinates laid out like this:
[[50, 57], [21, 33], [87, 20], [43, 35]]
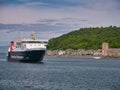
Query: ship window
[[44, 42]]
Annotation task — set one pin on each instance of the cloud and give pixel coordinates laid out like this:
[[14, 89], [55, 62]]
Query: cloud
[[41, 32], [53, 18], [35, 4], [69, 19], [87, 11], [48, 20], [37, 26]]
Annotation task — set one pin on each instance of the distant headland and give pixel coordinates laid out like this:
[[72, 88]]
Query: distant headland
[[87, 42]]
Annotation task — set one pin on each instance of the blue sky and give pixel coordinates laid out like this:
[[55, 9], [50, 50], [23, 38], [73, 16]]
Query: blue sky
[[51, 18]]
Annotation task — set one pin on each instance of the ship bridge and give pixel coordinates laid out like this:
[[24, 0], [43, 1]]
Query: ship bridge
[[29, 44]]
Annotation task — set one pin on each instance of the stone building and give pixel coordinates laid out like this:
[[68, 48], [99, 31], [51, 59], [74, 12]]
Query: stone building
[[110, 52], [113, 52], [105, 49]]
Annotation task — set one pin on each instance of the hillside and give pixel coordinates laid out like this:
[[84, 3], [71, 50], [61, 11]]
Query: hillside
[[87, 38]]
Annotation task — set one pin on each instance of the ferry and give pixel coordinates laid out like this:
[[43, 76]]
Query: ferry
[[27, 50]]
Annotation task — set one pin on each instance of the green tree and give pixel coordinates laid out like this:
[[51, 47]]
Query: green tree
[[87, 38]]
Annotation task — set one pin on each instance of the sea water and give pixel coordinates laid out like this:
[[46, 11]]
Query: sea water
[[60, 74], [3, 53]]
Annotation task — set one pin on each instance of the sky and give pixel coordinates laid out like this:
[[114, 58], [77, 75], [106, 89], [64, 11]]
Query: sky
[[52, 18]]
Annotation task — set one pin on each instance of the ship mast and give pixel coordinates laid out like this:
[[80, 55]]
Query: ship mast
[[21, 35]]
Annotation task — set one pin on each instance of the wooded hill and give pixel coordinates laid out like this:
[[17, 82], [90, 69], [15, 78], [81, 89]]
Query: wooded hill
[[87, 38]]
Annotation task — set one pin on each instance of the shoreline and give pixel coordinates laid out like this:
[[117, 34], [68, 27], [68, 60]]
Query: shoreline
[[81, 53], [69, 56]]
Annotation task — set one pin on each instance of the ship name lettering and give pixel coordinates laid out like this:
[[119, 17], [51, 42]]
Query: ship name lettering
[[20, 57]]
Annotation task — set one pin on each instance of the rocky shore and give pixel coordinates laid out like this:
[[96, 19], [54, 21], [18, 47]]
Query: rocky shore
[[104, 52], [74, 53]]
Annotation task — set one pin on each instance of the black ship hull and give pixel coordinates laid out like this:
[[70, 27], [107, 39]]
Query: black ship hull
[[26, 56]]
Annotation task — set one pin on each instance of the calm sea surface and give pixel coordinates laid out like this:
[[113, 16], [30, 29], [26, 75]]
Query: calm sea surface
[[60, 74]]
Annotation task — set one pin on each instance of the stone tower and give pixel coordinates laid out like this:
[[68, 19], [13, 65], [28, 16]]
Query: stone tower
[[105, 48]]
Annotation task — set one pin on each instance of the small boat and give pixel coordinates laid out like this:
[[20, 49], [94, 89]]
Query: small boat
[[27, 50], [97, 57]]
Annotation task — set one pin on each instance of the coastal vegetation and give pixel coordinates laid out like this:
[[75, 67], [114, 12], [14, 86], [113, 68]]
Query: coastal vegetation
[[87, 38]]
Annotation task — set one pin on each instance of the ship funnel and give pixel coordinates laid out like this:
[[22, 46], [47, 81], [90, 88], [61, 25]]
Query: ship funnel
[[11, 46], [32, 35]]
